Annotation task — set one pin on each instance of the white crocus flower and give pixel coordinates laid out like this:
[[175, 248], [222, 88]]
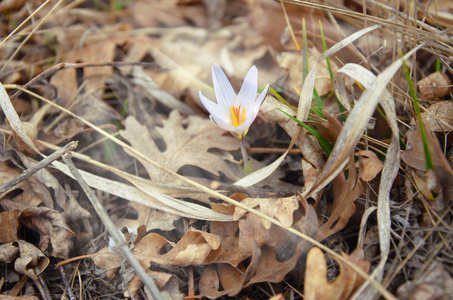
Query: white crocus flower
[[234, 113]]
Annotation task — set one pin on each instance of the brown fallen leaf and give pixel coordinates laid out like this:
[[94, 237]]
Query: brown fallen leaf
[[9, 252], [347, 282], [31, 192], [209, 282], [369, 165], [436, 85], [55, 235], [254, 238], [280, 208], [415, 158], [440, 111], [9, 223], [195, 248], [184, 145], [345, 192], [31, 261]]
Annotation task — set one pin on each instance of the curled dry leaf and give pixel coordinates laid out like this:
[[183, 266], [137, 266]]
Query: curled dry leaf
[[347, 282], [9, 252], [436, 85], [55, 236], [31, 261]]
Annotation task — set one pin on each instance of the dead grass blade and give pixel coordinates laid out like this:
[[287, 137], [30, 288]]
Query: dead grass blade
[[14, 120], [114, 232]]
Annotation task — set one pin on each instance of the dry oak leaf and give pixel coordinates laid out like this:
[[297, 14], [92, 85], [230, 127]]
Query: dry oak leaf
[[263, 267], [195, 248], [415, 158], [347, 282], [238, 238], [55, 236], [281, 209], [249, 238], [368, 164], [183, 145]]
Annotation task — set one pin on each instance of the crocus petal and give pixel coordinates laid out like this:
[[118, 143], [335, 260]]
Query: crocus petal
[[262, 96], [212, 107], [226, 125], [223, 90], [247, 94]]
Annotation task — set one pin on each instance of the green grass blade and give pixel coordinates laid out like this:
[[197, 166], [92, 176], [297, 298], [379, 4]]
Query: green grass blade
[[324, 45], [325, 145], [280, 98], [413, 94]]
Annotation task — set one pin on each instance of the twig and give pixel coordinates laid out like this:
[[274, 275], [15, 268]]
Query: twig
[[113, 231], [52, 70], [42, 286], [40, 165], [66, 284]]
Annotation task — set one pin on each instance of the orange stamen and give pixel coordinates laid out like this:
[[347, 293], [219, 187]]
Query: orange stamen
[[235, 112]]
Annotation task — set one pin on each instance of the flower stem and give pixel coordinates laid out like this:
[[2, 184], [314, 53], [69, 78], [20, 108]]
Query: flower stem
[[248, 169]]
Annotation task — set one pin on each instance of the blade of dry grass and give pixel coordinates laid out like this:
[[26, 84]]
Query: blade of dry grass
[[111, 228], [14, 120]]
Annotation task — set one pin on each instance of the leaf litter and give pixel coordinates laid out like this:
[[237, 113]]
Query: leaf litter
[[127, 92]]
